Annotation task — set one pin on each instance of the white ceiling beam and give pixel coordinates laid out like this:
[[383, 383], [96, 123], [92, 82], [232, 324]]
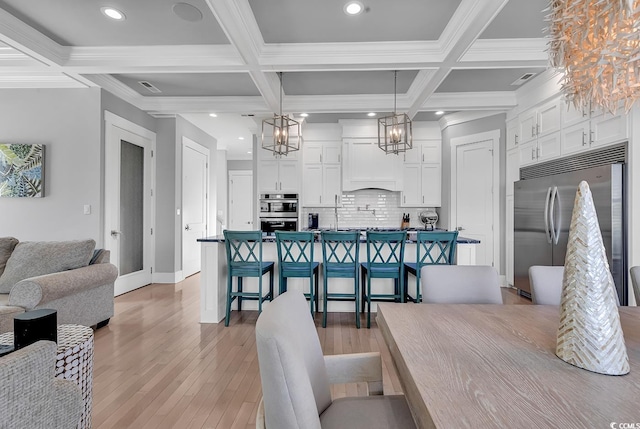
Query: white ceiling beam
[[281, 56], [179, 105], [498, 100], [44, 79], [155, 59], [238, 23], [467, 23], [505, 50]]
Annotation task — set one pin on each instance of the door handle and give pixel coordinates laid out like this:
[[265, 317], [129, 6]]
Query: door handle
[[187, 227], [459, 228], [546, 215], [554, 196], [115, 233]]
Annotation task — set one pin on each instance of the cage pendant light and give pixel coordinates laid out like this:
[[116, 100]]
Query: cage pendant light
[[395, 132], [281, 134]]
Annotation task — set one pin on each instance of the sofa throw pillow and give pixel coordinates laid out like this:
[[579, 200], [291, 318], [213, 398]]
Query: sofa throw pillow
[[7, 244], [36, 258]]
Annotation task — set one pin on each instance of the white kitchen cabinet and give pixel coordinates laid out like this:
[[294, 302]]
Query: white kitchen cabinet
[[431, 185], [422, 163], [575, 138], [512, 170], [312, 185], [607, 129], [321, 175], [278, 175], [513, 134], [540, 129], [367, 166], [599, 130], [542, 149], [411, 185]]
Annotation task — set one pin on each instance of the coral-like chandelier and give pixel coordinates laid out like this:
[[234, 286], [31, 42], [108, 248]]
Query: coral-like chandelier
[[597, 45]]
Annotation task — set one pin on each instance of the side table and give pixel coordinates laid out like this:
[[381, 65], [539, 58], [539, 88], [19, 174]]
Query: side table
[[74, 361]]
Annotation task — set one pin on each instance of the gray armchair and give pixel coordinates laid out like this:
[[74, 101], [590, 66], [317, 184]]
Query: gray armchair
[[296, 376], [31, 397]]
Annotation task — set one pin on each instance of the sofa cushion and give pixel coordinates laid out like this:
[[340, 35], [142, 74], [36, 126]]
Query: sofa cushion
[[36, 258], [7, 244]]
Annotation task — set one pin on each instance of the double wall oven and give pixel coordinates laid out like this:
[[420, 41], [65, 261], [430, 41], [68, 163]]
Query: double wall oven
[[278, 212]]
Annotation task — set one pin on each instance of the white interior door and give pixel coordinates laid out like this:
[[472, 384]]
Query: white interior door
[[474, 197], [195, 177], [128, 201], [241, 200]]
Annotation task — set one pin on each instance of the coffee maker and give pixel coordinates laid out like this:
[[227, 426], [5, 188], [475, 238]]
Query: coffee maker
[[313, 220]]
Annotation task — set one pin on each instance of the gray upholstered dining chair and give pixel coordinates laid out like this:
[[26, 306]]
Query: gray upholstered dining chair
[[296, 376], [635, 282], [460, 284], [546, 284]]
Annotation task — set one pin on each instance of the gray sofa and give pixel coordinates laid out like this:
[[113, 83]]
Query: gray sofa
[[68, 276]]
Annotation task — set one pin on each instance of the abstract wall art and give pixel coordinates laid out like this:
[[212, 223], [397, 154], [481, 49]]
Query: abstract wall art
[[21, 170]]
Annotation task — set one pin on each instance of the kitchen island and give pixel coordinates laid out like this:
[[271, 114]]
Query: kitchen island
[[213, 276]]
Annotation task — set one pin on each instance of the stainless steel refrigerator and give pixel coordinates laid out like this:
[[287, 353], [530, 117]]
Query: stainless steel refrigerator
[[542, 215]]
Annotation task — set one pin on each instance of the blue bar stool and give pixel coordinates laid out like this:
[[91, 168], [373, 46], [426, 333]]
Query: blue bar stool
[[340, 253], [431, 248], [244, 259], [385, 260], [295, 259]]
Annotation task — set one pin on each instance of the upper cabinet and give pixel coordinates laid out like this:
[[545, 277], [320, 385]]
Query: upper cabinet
[[421, 174], [540, 129], [587, 130], [278, 173], [367, 166], [321, 177]]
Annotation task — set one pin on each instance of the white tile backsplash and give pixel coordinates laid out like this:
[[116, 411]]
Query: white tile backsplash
[[357, 209]]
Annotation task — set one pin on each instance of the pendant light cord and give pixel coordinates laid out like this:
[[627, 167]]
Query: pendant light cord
[[280, 74], [395, 84]]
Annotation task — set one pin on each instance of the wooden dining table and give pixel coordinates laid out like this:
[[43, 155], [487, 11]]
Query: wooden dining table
[[494, 366]]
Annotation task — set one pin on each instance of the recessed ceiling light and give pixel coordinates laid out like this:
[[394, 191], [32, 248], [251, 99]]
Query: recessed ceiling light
[[213, 115], [353, 8], [304, 115], [439, 112], [371, 114], [112, 13], [240, 138], [249, 152]]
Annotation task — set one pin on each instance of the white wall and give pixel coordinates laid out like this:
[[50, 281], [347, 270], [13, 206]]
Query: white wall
[[222, 216], [68, 123]]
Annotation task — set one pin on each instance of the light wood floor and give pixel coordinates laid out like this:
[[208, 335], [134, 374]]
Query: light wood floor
[[156, 366]]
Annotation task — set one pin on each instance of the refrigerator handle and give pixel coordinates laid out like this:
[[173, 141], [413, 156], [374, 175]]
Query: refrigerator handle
[[555, 235], [546, 216]]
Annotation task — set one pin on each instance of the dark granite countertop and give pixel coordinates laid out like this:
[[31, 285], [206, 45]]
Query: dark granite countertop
[[410, 236]]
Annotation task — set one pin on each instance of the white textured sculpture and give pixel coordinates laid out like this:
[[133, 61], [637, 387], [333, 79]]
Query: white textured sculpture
[[589, 335]]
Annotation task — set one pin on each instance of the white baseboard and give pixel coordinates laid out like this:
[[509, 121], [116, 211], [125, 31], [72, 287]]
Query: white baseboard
[[167, 277]]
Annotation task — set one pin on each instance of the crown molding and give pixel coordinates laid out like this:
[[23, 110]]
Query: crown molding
[[463, 117], [31, 42], [419, 84], [542, 87], [507, 50]]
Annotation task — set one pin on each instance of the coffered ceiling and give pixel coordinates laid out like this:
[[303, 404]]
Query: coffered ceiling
[[223, 55]]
